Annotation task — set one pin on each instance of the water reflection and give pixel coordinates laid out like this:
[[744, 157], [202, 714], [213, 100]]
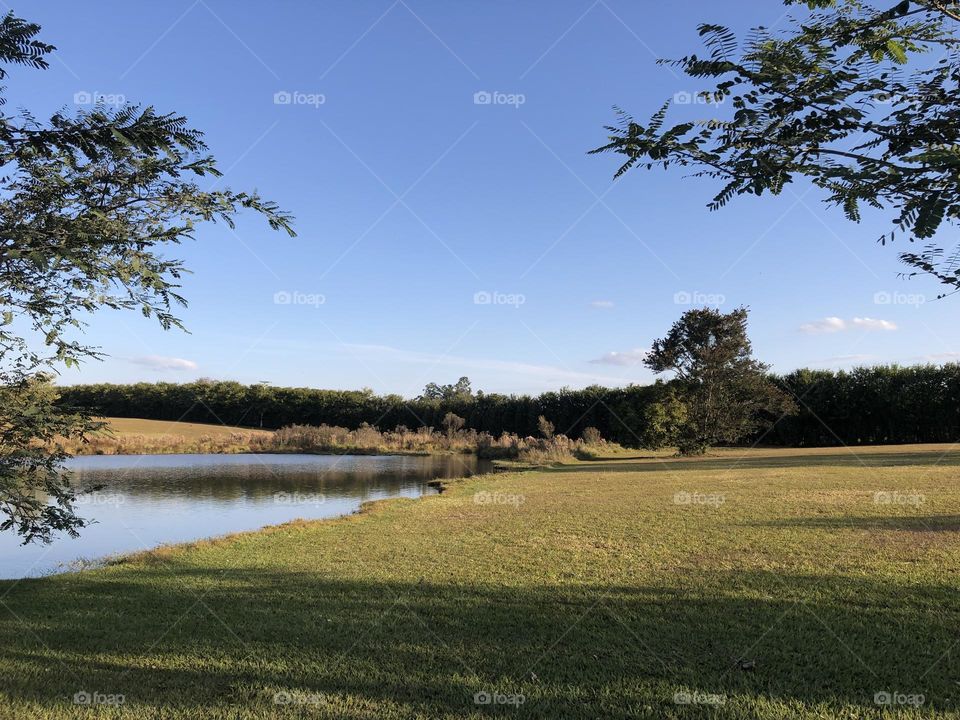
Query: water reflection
[[142, 501]]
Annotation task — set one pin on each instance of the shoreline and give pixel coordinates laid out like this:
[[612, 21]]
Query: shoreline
[[82, 565]]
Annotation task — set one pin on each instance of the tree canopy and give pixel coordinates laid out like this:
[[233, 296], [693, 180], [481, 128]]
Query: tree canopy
[[90, 204], [863, 102], [721, 393]]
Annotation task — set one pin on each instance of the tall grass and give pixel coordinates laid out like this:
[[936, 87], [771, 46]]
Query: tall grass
[[161, 443], [365, 440]]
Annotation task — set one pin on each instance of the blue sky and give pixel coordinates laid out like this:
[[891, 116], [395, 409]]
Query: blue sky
[[440, 235]]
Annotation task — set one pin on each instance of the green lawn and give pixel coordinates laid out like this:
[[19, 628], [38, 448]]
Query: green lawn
[[781, 584]]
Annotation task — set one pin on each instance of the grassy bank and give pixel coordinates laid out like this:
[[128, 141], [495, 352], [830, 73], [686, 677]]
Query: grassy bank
[[776, 584]]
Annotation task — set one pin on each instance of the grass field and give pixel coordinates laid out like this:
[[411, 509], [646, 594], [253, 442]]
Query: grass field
[[776, 584], [191, 431], [126, 436]]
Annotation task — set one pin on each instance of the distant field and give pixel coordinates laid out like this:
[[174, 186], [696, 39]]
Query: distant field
[[136, 426], [134, 436], [767, 584]]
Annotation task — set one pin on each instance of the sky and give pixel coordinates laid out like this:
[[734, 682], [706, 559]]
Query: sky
[[450, 221]]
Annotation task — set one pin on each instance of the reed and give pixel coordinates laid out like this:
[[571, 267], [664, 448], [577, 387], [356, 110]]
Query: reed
[[332, 439]]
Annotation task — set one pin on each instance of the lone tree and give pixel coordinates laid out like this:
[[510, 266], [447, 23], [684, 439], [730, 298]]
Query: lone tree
[[91, 205], [721, 393], [453, 423], [843, 97]]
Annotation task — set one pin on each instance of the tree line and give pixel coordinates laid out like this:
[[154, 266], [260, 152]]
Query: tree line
[[870, 405]]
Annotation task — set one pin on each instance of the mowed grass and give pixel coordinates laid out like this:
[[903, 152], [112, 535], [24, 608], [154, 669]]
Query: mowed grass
[[771, 584]]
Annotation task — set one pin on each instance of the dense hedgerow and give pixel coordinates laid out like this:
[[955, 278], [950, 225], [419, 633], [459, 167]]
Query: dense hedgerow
[[883, 404]]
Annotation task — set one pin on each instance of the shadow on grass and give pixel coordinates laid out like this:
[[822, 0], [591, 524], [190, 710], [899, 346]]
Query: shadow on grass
[[643, 463], [913, 523], [191, 640]]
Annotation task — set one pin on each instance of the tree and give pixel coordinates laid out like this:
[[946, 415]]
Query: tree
[[724, 391], [545, 427], [90, 207], [831, 99], [664, 419], [459, 391], [453, 423]]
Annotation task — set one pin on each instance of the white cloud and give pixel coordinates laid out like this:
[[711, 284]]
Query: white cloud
[[160, 362], [602, 304], [826, 325], [834, 324], [627, 358], [873, 324]]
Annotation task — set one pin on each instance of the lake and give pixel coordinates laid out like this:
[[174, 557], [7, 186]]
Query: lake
[[151, 500]]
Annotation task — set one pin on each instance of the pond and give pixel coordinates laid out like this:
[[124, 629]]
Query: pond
[[148, 500]]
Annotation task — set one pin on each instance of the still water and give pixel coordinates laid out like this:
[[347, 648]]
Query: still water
[[149, 500]]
